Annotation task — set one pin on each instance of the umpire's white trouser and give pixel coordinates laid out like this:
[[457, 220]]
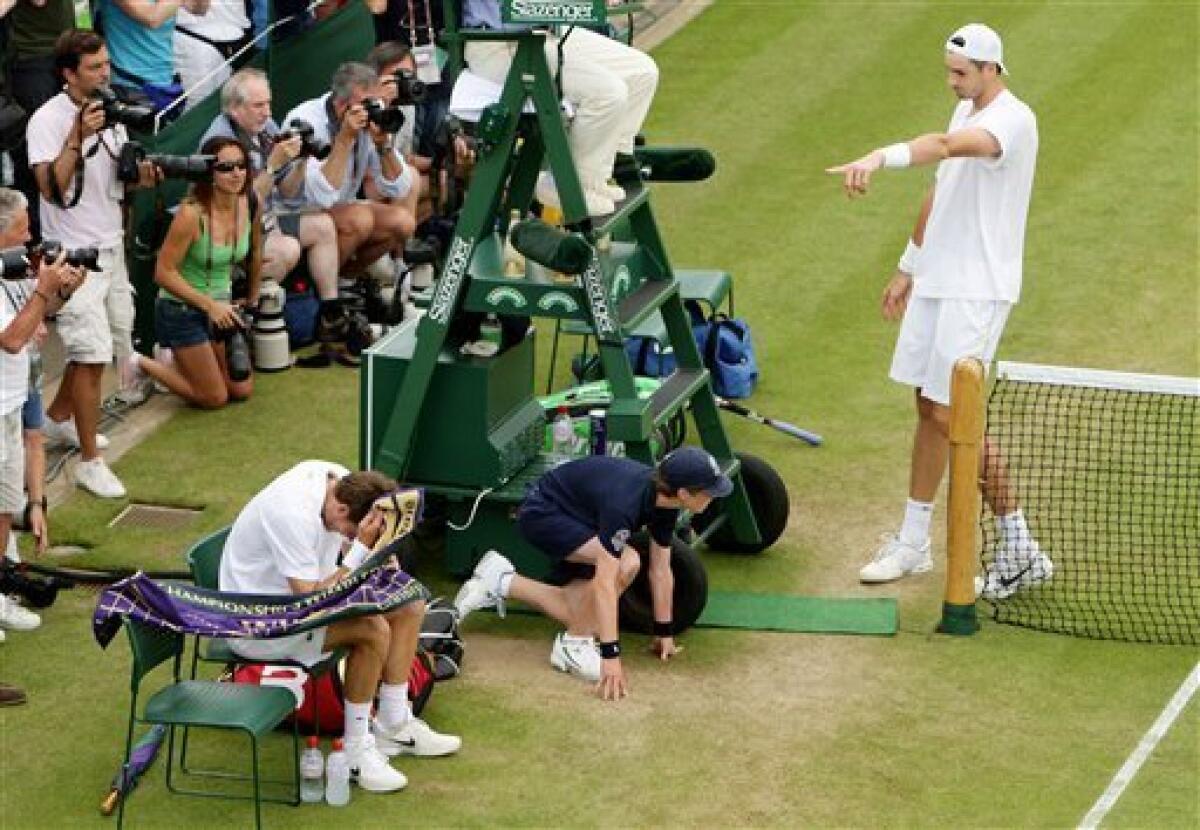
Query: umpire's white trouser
[[610, 84], [194, 61]]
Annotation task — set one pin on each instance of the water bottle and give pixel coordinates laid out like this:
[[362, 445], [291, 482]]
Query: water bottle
[[337, 776], [490, 330], [514, 260], [312, 772], [563, 434]]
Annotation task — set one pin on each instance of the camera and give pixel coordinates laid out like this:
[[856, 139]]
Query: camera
[[409, 89], [134, 116], [50, 249], [388, 119], [237, 346], [194, 168], [309, 146]]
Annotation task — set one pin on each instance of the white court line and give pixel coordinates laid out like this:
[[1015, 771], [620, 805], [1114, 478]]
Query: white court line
[[1139, 755]]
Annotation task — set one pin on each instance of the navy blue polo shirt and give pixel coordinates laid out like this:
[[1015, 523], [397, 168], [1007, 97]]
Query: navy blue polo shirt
[[614, 496]]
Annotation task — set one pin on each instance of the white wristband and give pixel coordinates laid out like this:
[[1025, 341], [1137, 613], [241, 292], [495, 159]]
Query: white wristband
[[908, 260], [357, 554], [897, 155]]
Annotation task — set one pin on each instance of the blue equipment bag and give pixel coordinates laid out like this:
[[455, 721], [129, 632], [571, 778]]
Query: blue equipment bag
[[725, 345]]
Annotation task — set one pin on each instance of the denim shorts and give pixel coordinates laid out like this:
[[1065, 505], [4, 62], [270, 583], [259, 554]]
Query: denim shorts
[[33, 414], [177, 325]]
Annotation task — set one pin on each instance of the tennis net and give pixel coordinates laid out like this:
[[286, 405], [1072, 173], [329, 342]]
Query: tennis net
[[1106, 467]]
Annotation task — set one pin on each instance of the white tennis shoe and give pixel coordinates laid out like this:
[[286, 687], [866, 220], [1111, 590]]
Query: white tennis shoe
[[576, 655], [370, 769], [894, 559], [414, 738], [483, 590], [1017, 565]]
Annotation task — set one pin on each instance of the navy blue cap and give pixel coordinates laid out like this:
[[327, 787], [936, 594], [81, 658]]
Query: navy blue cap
[[695, 469]]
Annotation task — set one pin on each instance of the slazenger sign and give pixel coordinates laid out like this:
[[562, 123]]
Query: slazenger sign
[[554, 11], [456, 267], [606, 327]]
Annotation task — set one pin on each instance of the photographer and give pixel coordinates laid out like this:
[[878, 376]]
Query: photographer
[[360, 158], [194, 315], [73, 150], [246, 116], [22, 309]]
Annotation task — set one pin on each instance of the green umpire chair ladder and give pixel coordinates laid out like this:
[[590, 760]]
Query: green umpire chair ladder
[[253, 710], [623, 278]]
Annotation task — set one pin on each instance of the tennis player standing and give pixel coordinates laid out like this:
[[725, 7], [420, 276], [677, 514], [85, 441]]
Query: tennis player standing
[[954, 287]]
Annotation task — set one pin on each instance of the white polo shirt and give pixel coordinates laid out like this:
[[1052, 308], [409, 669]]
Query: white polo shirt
[[975, 237], [96, 220], [14, 368], [280, 534]]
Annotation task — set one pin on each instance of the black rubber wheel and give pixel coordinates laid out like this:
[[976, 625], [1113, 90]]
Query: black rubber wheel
[[636, 609], [768, 499]]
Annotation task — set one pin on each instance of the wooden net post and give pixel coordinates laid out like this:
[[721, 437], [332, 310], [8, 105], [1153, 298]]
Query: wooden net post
[[966, 445]]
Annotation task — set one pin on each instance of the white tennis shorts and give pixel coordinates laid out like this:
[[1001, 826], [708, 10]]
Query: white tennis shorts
[[307, 648], [936, 333]]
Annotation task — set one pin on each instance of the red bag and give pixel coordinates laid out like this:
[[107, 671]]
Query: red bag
[[320, 702]]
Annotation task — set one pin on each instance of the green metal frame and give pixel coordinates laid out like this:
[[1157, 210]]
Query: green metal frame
[[151, 647], [626, 282]]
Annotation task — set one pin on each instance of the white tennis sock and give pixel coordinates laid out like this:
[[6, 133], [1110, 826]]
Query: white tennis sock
[[917, 516], [1013, 529], [394, 708], [357, 719]]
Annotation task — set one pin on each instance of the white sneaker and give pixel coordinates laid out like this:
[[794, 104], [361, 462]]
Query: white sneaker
[[614, 191], [894, 559], [370, 768], [64, 432], [2, 636], [135, 384], [597, 204], [482, 590], [14, 616], [414, 738], [1016, 566], [95, 477], [576, 655]]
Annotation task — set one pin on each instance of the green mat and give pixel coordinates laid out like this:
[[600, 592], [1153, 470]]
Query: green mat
[[780, 612]]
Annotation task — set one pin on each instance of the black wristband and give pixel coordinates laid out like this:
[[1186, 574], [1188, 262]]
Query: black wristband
[[610, 650], [664, 629]]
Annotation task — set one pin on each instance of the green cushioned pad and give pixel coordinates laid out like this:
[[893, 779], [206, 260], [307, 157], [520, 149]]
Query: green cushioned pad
[[817, 615]]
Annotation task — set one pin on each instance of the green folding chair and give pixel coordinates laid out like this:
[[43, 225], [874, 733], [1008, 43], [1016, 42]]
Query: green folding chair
[[254, 710], [204, 561]]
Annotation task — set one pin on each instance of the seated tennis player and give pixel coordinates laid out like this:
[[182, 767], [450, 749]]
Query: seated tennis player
[[581, 515], [307, 530]]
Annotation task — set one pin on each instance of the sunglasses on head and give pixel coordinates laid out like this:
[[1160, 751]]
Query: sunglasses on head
[[229, 166]]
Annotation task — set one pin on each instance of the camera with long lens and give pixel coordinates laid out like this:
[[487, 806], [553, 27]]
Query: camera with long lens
[[309, 146], [409, 89], [389, 119], [194, 168], [237, 346], [134, 116], [49, 250]]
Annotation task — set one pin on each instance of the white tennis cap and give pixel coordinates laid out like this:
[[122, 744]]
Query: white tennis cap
[[978, 43]]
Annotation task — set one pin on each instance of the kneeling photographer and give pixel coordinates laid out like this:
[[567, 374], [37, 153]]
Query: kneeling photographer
[[74, 142], [216, 227]]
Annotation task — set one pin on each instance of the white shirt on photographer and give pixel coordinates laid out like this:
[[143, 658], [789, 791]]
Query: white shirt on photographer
[[281, 534], [14, 368], [96, 220], [975, 237]]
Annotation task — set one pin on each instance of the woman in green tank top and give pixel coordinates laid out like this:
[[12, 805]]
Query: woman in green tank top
[[213, 230]]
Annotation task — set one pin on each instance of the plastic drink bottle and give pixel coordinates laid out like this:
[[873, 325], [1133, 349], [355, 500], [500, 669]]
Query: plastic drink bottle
[[563, 434], [337, 776], [312, 772]]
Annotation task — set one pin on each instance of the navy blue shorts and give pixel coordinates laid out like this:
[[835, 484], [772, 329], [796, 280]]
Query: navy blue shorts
[[554, 533], [177, 325], [33, 415]]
